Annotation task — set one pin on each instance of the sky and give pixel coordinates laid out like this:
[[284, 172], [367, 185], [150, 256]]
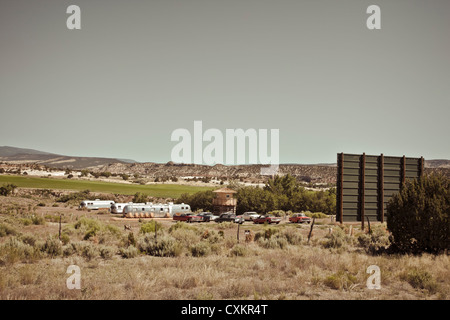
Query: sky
[[138, 70]]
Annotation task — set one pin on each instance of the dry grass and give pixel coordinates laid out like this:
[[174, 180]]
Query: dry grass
[[207, 263]]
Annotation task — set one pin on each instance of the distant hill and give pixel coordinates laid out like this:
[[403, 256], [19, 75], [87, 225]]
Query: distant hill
[[324, 173], [21, 155], [437, 163], [6, 151]]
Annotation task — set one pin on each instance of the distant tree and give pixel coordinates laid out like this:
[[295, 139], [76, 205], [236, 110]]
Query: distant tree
[[7, 189], [201, 200], [139, 197], [84, 173], [125, 176]]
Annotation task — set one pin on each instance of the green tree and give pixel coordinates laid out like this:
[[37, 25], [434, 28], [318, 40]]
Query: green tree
[[7, 189], [418, 215], [140, 197]]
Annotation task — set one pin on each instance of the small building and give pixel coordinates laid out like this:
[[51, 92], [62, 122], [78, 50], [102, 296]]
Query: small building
[[224, 201]]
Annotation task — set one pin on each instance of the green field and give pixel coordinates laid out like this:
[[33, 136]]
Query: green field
[[157, 190]]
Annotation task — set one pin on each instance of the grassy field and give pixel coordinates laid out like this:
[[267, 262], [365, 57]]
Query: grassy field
[[156, 190]]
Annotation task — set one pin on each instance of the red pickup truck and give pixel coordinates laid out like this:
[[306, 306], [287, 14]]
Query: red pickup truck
[[188, 217], [299, 218]]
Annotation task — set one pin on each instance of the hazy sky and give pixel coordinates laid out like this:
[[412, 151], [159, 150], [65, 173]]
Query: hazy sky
[[137, 70]]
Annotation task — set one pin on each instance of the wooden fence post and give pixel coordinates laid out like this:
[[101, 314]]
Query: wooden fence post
[[310, 231]]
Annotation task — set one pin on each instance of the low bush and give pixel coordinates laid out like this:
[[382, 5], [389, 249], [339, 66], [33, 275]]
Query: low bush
[[182, 225], [185, 237], [200, 249], [129, 252], [74, 197], [149, 227], [239, 251], [420, 279], [375, 242], [7, 230], [52, 247], [341, 280], [317, 215], [337, 239], [106, 252], [164, 246], [275, 242], [292, 235], [14, 250], [89, 251]]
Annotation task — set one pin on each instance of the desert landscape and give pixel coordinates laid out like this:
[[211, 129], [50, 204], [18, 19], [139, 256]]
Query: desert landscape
[[40, 237]]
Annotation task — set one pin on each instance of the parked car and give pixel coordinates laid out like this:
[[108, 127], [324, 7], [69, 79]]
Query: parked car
[[267, 219], [188, 217], [249, 216], [239, 219], [299, 218], [207, 216], [231, 217]]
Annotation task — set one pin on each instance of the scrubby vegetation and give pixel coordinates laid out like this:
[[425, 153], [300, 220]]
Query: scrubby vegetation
[[204, 260]]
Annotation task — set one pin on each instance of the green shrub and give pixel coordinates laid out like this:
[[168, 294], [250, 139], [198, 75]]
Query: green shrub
[[317, 215], [185, 237], [7, 189], [266, 233], [92, 227], [65, 239], [337, 239], [139, 197], [341, 280], [28, 239], [89, 251], [38, 220], [200, 249], [226, 225], [7, 230], [106, 252], [74, 197], [149, 227], [275, 242], [182, 225], [418, 216], [164, 246], [292, 235], [129, 252], [239, 250], [52, 247], [420, 279], [15, 250], [376, 242]]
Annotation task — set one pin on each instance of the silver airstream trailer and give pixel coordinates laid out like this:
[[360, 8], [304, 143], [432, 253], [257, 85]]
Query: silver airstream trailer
[[96, 204], [151, 210], [117, 208]]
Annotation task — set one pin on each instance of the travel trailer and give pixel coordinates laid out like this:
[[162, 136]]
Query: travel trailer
[[96, 204], [117, 208], [150, 210]]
